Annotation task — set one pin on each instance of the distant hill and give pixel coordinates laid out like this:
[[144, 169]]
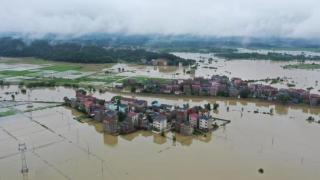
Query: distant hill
[[190, 41], [180, 42], [75, 51]]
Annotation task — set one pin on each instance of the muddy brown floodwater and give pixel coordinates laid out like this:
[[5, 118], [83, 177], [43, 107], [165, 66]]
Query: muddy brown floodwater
[[257, 70], [245, 69], [284, 145]]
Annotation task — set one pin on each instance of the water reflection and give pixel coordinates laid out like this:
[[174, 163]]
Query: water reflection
[[110, 140], [281, 110], [113, 141], [159, 139]]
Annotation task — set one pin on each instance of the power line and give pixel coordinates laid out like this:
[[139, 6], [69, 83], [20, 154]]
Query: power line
[[24, 169]]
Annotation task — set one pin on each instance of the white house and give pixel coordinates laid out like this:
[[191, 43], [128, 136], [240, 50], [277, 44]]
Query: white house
[[205, 123], [117, 85], [159, 123]]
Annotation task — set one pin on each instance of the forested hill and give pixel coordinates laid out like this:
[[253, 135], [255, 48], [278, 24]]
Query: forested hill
[[75, 52]]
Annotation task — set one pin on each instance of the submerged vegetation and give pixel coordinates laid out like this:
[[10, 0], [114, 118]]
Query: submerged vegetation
[[269, 56], [7, 113], [302, 66]]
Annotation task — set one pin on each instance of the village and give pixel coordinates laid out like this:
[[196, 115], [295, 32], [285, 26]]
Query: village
[[224, 87], [123, 115]]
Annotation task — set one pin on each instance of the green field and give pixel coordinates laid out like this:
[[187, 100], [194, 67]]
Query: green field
[[7, 113], [63, 67], [10, 73], [47, 75], [144, 79]]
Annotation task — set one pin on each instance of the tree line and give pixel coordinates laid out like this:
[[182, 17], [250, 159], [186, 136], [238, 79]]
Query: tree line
[[81, 53], [269, 56]]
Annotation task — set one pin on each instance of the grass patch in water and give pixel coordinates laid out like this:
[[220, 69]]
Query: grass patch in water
[[7, 113], [15, 73], [144, 79], [302, 66], [62, 67]]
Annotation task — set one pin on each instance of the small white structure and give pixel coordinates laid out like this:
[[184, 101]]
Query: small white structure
[[205, 123], [117, 85], [159, 123]]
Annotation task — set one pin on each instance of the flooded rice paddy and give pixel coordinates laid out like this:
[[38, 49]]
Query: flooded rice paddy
[[284, 145]]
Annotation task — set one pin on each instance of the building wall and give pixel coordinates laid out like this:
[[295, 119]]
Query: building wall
[[205, 124], [111, 126], [160, 126]]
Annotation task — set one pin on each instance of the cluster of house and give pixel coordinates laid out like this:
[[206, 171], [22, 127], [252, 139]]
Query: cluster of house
[[223, 86], [123, 115]]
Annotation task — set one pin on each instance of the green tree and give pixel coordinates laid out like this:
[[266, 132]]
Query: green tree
[[215, 106], [284, 98], [133, 89], [121, 116], [244, 93]]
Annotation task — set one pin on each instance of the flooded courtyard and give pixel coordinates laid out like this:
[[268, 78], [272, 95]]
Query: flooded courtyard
[[284, 145]]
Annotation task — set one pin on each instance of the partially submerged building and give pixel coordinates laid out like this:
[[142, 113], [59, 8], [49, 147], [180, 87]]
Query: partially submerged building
[[159, 123]]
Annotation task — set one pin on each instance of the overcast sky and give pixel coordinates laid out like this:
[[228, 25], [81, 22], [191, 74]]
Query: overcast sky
[[281, 18]]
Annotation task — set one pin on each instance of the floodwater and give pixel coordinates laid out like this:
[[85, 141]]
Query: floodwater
[[257, 70], [150, 71], [18, 67], [284, 145], [266, 51], [245, 69]]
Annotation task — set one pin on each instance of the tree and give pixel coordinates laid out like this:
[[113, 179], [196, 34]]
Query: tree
[[101, 102], [23, 91], [208, 107], [163, 134], [81, 52], [133, 89], [174, 138], [223, 94], [121, 116], [150, 120], [284, 98], [244, 93], [66, 101], [271, 111], [310, 119], [215, 106]]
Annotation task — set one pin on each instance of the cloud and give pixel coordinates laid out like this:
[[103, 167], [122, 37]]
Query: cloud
[[259, 18]]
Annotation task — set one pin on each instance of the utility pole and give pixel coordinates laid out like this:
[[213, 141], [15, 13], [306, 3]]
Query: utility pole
[[30, 105], [24, 170]]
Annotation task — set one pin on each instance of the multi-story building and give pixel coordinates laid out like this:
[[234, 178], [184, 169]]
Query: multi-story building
[[159, 123], [205, 123], [194, 119], [111, 122]]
